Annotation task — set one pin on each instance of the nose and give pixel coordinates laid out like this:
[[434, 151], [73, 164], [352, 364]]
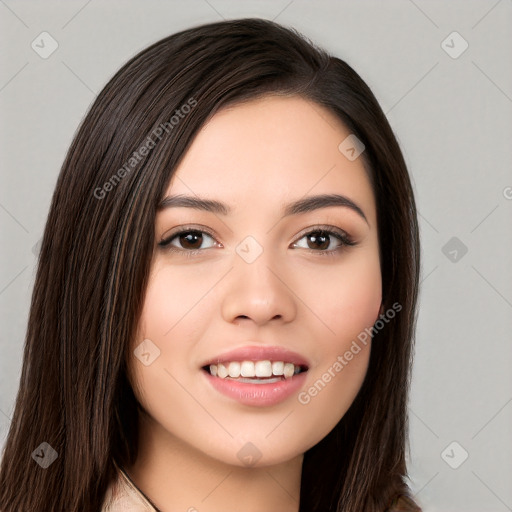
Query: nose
[[258, 292]]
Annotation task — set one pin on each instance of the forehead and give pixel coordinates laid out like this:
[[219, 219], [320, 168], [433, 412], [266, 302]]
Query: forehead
[[271, 150]]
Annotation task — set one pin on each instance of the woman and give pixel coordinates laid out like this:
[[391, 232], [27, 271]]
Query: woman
[[225, 303]]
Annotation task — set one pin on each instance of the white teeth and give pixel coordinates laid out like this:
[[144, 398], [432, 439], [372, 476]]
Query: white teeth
[[263, 369], [222, 371], [289, 370], [278, 368], [234, 369], [245, 370]]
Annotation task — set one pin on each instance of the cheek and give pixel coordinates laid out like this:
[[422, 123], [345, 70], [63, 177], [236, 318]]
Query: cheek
[[331, 390], [170, 303], [345, 298], [349, 305], [171, 300], [342, 356], [356, 303], [164, 322]]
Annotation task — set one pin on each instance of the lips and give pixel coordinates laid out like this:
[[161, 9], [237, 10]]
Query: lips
[[264, 394], [272, 374]]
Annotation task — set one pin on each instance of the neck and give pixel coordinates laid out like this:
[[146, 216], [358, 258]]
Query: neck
[[176, 476]]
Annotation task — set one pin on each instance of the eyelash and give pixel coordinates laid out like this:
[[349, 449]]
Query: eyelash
[[343, 237]]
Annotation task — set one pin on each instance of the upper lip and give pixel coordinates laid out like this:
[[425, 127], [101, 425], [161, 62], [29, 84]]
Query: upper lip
[[260, 353]]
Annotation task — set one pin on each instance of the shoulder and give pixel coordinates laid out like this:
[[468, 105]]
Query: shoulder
[[123, 496]]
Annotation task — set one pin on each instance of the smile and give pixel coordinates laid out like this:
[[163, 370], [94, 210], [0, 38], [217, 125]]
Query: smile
[[255, 371]]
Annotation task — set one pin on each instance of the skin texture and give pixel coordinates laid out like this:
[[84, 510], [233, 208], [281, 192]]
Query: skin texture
[[255, 157]]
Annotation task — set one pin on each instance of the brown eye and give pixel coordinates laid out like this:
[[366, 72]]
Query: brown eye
[[319, 240], [186, 240], [190, 240]]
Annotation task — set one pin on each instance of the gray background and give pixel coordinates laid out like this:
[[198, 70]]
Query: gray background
[[453, 118]]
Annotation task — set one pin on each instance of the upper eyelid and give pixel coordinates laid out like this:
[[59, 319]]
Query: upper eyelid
[[323, 227], [186, 228]]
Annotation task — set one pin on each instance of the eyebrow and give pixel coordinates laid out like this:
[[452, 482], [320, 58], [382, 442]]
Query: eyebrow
[[304, 205]]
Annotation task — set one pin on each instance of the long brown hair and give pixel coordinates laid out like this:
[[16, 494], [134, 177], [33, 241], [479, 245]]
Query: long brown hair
[[95, 258]]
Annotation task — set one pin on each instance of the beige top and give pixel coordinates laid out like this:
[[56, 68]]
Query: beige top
[[123, 496]]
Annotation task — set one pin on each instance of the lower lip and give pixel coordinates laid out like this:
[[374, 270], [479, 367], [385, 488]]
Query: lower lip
[[259, 395]]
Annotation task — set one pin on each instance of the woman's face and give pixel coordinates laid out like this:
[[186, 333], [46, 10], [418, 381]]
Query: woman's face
[[256, 283]]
